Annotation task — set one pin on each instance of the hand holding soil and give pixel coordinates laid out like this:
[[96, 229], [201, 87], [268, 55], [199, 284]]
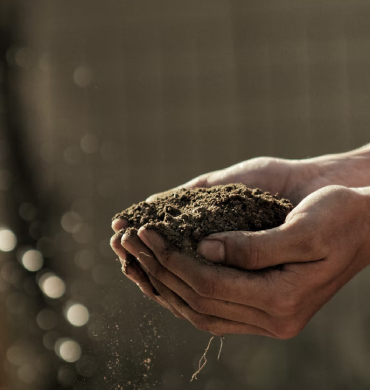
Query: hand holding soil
[[321, 246]]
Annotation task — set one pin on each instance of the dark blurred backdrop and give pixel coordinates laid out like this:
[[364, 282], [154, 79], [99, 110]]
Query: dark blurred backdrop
[[105, 103]]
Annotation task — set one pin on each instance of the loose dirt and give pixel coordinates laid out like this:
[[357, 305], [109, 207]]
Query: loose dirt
[[186, 216]]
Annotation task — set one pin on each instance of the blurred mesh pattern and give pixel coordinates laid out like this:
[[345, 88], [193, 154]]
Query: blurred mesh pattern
[[121, 99]]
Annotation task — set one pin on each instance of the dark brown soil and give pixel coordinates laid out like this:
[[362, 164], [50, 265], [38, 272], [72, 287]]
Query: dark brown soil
[[186, 216]]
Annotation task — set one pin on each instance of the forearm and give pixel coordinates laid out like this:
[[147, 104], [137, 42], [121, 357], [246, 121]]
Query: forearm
[[350, 169], [364, 202]]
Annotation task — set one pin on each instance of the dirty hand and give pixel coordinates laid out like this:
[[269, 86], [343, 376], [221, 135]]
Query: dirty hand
[[324, 242], [265, 172], [293, 179]]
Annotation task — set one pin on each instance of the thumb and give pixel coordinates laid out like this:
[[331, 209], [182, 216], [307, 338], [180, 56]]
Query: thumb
[[288, 243]]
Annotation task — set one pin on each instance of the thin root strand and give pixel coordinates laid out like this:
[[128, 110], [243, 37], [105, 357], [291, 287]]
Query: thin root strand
[[203, 359]]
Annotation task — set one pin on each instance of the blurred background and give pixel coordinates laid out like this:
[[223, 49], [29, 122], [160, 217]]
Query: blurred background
[[105, 103]]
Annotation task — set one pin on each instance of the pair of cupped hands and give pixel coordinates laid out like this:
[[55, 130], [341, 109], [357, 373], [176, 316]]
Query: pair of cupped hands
[[323, 243]]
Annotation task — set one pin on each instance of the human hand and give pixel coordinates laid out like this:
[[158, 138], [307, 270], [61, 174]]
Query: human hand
[[263, 172], [321, 246], [259, 172], [275, 175], [293, 179], [132, 269]]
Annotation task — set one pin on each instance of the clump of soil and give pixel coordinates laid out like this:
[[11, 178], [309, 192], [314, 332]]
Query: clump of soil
[[186, 216]]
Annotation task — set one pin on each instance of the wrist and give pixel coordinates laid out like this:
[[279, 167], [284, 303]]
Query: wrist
[[364, 201], [350, 169]]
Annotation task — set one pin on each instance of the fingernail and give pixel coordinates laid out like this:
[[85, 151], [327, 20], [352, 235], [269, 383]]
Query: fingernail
[[213, 250], [155, 292]]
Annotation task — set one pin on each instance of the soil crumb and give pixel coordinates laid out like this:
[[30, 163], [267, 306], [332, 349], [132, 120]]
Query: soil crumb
[[186, 216]]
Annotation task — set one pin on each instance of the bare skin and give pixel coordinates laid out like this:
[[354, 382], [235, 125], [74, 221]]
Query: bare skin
[[321, 246]]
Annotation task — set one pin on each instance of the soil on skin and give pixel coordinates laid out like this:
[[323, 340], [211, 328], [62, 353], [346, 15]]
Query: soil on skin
[[186, 216]]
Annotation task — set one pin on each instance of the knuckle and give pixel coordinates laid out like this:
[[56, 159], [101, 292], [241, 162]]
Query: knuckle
[[288, 330], [202, 323], [201, 180], [264, 160], [242, 248], [339, 191], [314, 244], [201, 306], [204, 287], [265, 163], [156, 271]]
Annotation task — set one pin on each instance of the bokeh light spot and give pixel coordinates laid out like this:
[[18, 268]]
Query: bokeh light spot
[[89, 143], [25, 57], [16, 355], [82, 76], [27, 211], [27, 373], [32, 260], [71, 222], [8, 240], [47, 319], [69, 350], [78, 315], [52, 285]]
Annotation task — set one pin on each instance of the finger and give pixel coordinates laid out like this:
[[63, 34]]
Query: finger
[[209, 306], [133, 272], [118, 224], [293, 242], [134, 245], [211, 281], [115, 243], [206, 322], [218, 308]]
